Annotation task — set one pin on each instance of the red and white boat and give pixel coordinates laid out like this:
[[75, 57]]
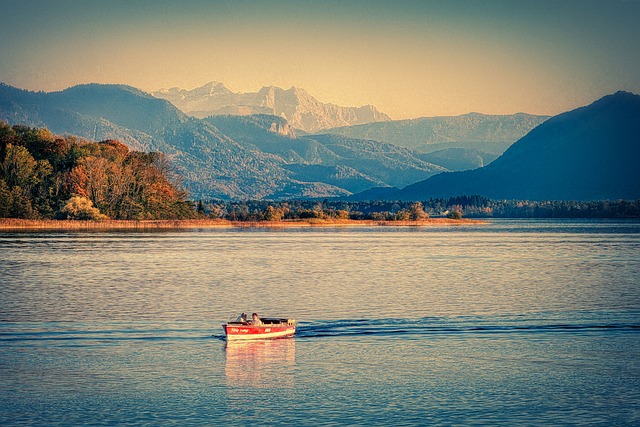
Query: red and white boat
[[270, 328]]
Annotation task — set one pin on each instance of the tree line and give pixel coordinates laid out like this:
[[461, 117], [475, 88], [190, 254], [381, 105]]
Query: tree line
[[264, 210], [45, 176], [482, 207], [454, 207]]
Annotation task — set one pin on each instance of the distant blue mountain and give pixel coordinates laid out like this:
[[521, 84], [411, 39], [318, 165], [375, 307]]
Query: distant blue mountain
[[227, 157], [459, 159], [586, 154], [474, 131], [591, 153]]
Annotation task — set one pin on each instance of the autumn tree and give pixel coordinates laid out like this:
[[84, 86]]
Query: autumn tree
[[273, 214], [416, 212], [81, 208], [41, 172]]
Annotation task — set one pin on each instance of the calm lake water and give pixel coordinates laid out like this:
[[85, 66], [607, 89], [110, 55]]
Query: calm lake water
[[508, 323]]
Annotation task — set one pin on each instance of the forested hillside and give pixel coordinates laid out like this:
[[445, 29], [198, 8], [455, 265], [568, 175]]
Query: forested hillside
[[590, 153], [47, 176], [226, 157]]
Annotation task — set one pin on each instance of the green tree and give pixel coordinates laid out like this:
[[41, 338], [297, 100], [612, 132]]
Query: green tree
[[21, 206], [272, 214], [454, 214], [18, 167], [6, 200]]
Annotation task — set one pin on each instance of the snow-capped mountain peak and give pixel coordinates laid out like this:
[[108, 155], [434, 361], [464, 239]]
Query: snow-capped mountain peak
[[298, 106]]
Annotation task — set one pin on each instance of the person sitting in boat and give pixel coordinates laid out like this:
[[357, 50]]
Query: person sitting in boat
[[242, 318], [255, 320]]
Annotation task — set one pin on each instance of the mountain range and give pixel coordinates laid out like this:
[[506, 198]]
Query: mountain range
[[300, 109], [487, 134], [226, 157], [591, 153]]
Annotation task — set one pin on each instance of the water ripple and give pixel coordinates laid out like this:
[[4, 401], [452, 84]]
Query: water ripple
[[383, 327]]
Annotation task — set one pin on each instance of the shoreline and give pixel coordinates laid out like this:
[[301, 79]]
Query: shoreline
[[10, 224]]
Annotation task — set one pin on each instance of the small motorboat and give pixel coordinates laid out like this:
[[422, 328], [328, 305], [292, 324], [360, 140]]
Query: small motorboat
[[269, 328]]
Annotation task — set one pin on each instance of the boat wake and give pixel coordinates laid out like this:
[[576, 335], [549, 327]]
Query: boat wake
[[64, 334], [100, 334], [452, 326]]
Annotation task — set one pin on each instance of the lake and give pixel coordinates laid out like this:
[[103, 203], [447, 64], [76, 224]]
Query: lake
[[519, 322]]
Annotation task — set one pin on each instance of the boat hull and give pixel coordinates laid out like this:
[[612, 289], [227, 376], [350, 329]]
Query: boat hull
[[251, 332]]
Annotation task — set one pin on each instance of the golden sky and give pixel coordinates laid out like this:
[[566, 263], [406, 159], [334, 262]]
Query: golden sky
[[408, 58]]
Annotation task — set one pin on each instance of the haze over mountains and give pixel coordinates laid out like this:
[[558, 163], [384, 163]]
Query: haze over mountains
[[297, 106], [254, 157], [491, 134], [591, 153]]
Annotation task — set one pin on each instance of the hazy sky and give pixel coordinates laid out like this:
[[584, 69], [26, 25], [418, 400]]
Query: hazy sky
[[408, 58]]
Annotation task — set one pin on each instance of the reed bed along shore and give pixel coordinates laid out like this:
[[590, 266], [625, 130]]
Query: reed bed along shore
[[50, 224]]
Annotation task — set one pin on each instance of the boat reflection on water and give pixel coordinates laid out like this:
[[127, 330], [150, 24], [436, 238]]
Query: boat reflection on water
[[260, 363]]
